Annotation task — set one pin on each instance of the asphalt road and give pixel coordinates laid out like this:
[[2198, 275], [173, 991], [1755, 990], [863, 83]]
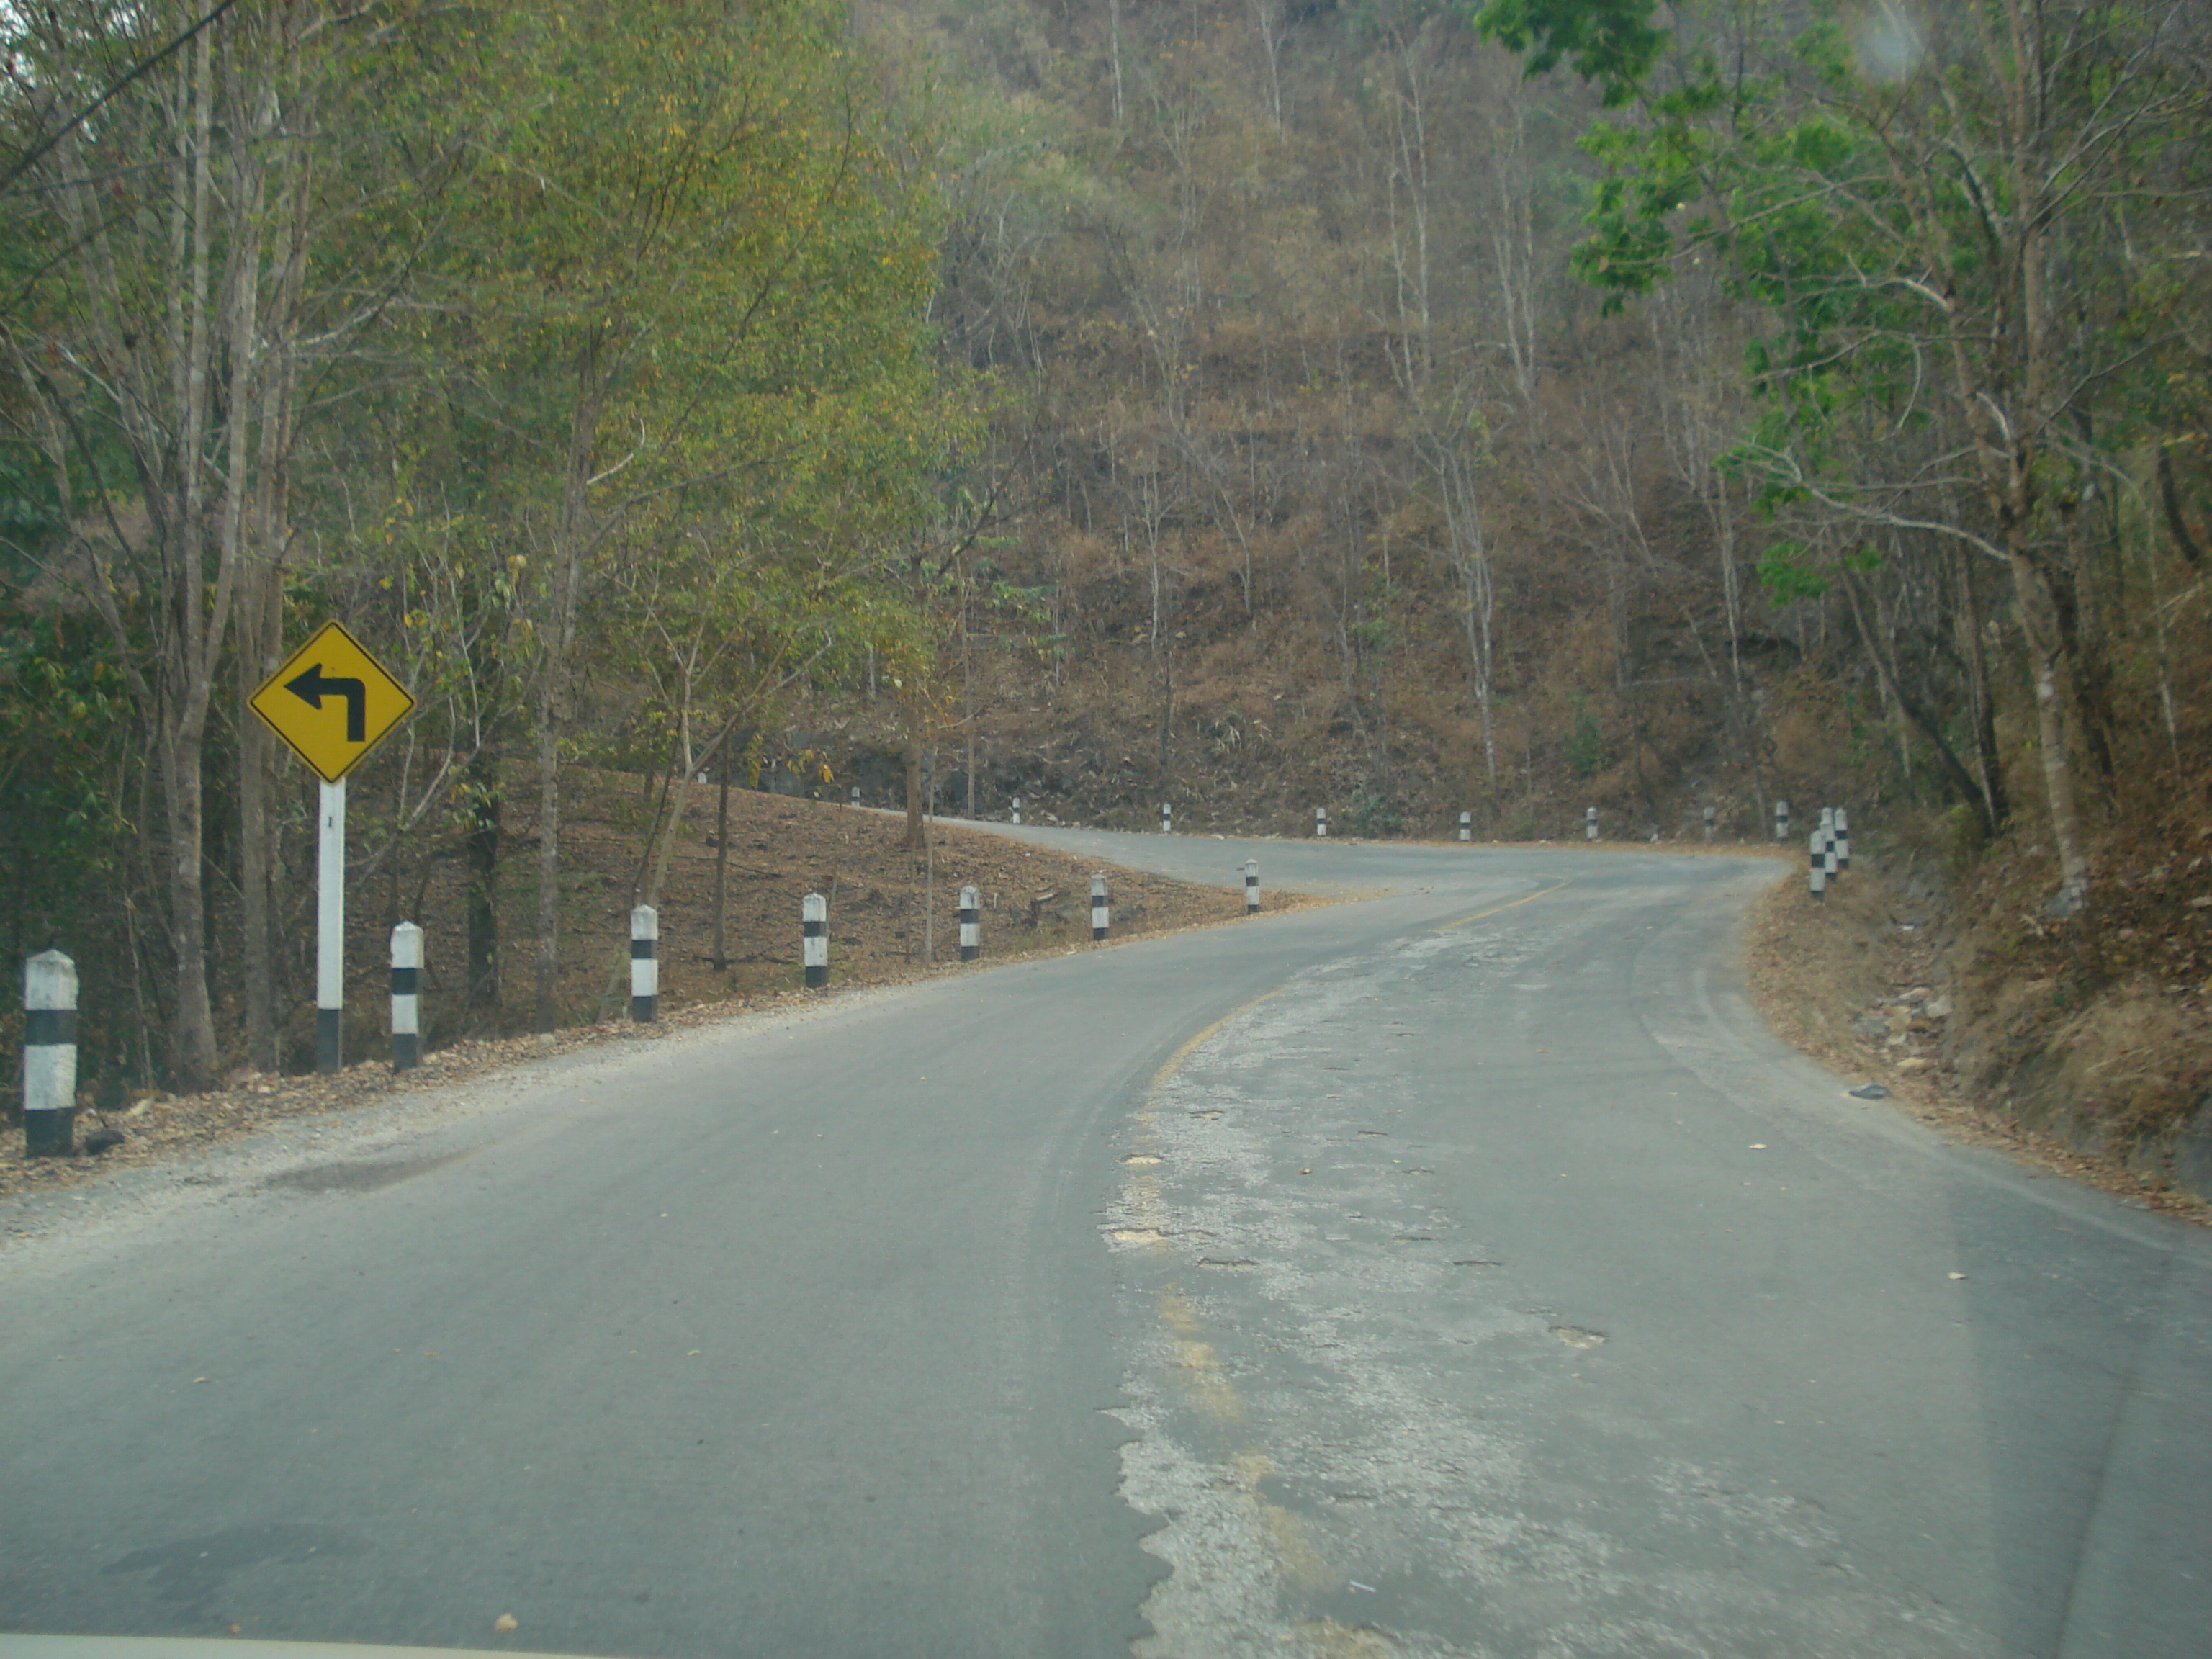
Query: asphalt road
[[1463, 1271]]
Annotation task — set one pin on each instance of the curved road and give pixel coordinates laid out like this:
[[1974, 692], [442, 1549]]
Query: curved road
[[1463, 1271]]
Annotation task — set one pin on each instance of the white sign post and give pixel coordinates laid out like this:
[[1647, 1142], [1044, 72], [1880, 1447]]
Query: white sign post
[[330, 927]]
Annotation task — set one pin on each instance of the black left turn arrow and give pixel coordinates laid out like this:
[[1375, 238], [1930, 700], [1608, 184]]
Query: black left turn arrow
[[311, 687]]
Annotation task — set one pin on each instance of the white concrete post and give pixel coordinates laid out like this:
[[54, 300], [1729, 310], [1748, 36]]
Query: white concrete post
[[1467, 826], [1589, 824], [330, 928], [1709, 823], [406, 997], [1100, 918], [1251, 886], [1167, 818], [49, 1055], [1782, 820], [1018, 809], [814, 925], [1817, 851], [854, 799], [971, 925], [1843, 839], [1321, 823], [644, 965]]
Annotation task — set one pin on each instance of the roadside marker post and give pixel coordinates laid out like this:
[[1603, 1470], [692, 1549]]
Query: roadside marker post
[[1251, 887], [406, 997], [331, 703], [1829, 859], [1709, 823], [1167, 818], [971, 925], [49, 1055], [1782, 820], [814, 928], [1589, 824], [1320, 823], [1816, 849], [645, 965], [1467, 826], [1017, 810], [1843, 839], [1099, 918], [854, 799]]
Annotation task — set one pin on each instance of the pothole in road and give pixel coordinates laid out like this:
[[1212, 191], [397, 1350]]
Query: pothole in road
[[1574, 1337], [1137, 1235]]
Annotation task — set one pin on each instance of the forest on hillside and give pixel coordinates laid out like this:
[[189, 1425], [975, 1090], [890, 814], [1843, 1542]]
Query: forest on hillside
[[1403, 407]]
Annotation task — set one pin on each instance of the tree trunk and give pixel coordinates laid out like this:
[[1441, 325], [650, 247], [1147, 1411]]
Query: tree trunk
[[2047, 671], [486, 799]]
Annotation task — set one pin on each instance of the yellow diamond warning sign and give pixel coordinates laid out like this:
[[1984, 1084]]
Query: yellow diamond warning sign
[[332, 702]]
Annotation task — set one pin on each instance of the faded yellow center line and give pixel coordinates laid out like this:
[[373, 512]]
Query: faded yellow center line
[[1526, 898], [1199, 1368]]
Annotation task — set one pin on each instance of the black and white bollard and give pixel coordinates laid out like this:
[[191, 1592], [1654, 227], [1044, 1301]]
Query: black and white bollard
[[1467, 826], [814, 924], [49, 1055], [854, 799], [1251, 887], [1709, 823], [1589, 824], [1782, 820], [1816, 849], [1018, 809], [1321, 823], [406, 997], [1098, 913], [1167, 818], [1833, 862], [644, 965], [1843, 839], [971, 925]]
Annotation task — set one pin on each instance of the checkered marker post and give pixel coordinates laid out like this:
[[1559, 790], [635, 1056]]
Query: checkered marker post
[[1018, 809], [49, 1055], [406, 997], [854, 799], [644, 965], [971, 925], [1589, 824], [1843, 839], [1321, 823], [1816, 849], [1709, 823], [1167, 818], [814, 925], [1251, 887], [1467, 826], [1782, 820], [1098, 914]]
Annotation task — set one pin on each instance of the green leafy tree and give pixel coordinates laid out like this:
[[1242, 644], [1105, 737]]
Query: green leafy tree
[[1918, 201]]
